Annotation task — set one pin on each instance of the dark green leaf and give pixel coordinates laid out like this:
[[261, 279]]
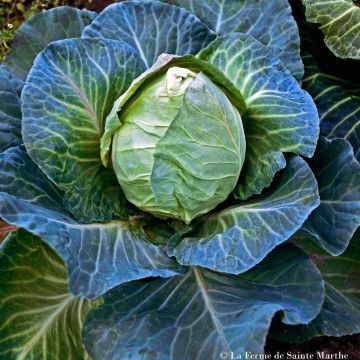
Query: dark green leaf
[[280, 117], [334, 222], [10, 113], [340, 314], [152, 28], [37, 33], [98, 256], [237, 238], [63, 120], [270, 22], [201, 314], [340, 23], [337, 99], [333, 83], [40, 319]]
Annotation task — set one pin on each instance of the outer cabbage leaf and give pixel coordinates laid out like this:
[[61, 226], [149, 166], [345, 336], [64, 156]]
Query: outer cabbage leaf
[[69, 92], [332, 82], [340, 314], [39, 318], [152, 28], [270, 22], [23, 179], [340, 23], [98, 256], [235, 239], [334, 222], [337, 99], [203, 313], [10, 113], [35, 35], [280, 116]]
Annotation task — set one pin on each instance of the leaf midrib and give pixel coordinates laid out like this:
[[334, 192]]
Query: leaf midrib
[[45, 326], [210, 308]]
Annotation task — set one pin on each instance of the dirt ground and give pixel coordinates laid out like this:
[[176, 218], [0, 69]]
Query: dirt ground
[[346, 345]]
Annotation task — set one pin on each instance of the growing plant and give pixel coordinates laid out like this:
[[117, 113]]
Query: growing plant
[[171, 194]]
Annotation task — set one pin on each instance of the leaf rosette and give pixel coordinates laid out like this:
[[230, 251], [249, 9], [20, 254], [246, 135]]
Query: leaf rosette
[[150, 141]]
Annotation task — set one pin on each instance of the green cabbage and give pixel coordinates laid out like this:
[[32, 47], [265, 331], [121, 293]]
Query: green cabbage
[[181, 146]]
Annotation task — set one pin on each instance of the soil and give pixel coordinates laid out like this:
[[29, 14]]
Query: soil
[[98, 5], [346, 345]]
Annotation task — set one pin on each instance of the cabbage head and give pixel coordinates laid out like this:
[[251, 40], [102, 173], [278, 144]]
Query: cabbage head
[[181, 146]]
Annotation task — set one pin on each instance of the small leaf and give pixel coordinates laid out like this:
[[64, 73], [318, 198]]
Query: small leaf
[[280, 116], [40, 319], [237, 238], [63, 120], [340, 23], [334, 222], [20, 7], [34, 35], [152, 28], [279, 33], [10, 113], [340, 314], [203, 313], [98, 256]]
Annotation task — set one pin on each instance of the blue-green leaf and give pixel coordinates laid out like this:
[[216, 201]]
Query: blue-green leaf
[[98, 256], [334, 222], [40, 319], [270, 22], [203, 313], [35, 35], [10, 112], [340, 314], [69, 92], [237, 238], [340, 23], [152, 28], [280, 116], [20, 177]]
